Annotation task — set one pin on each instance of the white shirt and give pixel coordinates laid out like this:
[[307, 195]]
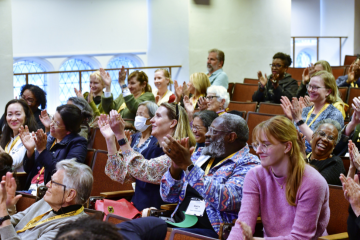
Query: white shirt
[[17, 153]]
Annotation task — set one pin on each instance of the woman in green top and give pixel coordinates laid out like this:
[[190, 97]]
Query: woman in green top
[[137, 91]]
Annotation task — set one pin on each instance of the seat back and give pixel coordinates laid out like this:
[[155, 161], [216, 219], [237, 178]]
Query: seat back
[[353, 92], [98, 141], [230, 89], [346, 162], [116, 219], [271, 108], [95, 213], [182, 235], [102, 183], [338, 210], [296, 73], [349, 59], [253, 119], [90, 157], [25, 201], [251, 80], [242, 106], [343, 93], [338, 71], [243, 92]]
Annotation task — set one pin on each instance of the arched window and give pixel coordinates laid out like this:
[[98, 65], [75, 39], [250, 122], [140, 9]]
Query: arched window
[[118, 62], [303, 59], [69, 81], [27, 66]]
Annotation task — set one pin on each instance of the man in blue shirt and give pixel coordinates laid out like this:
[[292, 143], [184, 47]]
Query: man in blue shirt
[[215, 62]]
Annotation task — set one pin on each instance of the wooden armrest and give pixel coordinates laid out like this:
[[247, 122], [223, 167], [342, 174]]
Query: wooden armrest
[[117, 194], [343, 235], [170, 207], [26, 195]]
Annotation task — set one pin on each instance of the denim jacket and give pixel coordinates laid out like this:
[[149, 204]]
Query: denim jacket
[[221, 188]]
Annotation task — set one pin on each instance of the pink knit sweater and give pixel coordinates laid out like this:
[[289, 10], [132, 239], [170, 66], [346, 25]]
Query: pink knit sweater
[[262, 193]]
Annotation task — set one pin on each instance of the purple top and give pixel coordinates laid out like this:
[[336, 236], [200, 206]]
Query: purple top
[[262, 193]]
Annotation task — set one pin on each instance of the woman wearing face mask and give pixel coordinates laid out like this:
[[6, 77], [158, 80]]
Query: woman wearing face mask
[[162, 94], [135, 92], [17, 114], [148, 167]]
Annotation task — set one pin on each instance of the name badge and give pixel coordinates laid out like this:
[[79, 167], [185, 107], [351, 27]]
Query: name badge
[[196, 207]]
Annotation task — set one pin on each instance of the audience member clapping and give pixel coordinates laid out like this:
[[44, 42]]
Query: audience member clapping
[[278, 84], [43, 151], [18, 114], [353, 76], [323, 92], [162, 94], [292, 197]]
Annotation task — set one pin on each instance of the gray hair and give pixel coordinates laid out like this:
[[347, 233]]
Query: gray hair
[[206, 116], [221, 92], [77, 176], [82, 104], [220, 55], [235, 123], [151, 107], [329, 121]]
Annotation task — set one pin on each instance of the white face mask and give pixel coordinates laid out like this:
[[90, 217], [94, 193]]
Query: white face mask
[[140, 123]]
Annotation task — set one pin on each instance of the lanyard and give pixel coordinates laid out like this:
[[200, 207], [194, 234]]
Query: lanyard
[[352, 84], [12, 145], [212, 161], [317, 115], [35, 221]]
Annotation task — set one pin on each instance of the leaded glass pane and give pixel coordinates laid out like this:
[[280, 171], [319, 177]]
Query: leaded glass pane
[[69, 81], [27, 66]]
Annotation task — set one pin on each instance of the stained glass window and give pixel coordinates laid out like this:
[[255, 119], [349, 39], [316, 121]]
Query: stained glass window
[[26, 66], [303, 59], [69, 81], [118, 62]]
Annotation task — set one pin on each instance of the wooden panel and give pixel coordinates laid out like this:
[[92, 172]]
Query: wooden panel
[[296, 73], [353, 92], [338, 210], [243, 92], [26, 201], [95, 213], [230, 89], [242, 106], [343, 93], [346, 162], [253, 119], [182, 235], [251, 80], [115, 219], [98, 141], [349, 59], [338, 71], [271, 108], [90, 157]]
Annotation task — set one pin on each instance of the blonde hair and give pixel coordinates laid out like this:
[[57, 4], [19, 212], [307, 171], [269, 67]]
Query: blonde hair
[[325, 65], [97, 75], [201, 82], [166, 74], [182, 129], [283, 130], [330, 83]]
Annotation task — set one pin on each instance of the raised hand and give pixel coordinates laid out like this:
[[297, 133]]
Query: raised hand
[[307, 101], [296, 110], [122, 76], [128, 134], [10, 186], [45, 119], [202, 103], [90, 97], [78, 93], [309, 71], [40, 140], [185, 89], [351, 74], [106, 78], [178, 151], [178, 90], [351, 189], [354, 155], [263, 80], [286, 106], [27, 138], [117, 124], [302, 103], [104, 126]]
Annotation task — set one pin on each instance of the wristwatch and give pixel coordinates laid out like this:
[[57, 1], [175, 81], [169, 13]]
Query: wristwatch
[[189, 169], [123, 86], [300, 122], [123, 141], [2, 219]]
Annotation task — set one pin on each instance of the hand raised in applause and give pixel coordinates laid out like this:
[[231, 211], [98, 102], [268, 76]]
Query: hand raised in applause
[[178, 91], [203, 103], [351, 190], [45, 119], [286, 106], [263, 80], [27, 138], [10, 187], [307, 73], [40, 140], [105, 128], [117, 124], [178, 151], [122, 76], [296, 110], [106, 78]]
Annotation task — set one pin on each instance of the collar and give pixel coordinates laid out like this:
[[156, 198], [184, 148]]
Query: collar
[[217, 72], [67, 209], [97, 100]]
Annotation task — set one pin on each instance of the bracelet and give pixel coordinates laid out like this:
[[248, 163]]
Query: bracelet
[[2, 219]]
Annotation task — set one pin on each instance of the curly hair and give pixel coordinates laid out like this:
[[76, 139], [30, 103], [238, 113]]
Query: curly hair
[[39, 94], [284, 57]]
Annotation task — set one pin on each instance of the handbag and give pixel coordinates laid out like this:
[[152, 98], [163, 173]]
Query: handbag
[[120, 207]]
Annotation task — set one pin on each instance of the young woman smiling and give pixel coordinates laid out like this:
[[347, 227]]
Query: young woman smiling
[[323, 93], [292, 197], [17, 114], [162, 94]]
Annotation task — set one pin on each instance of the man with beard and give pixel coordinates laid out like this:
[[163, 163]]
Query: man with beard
[[209, 189], [215, 63]]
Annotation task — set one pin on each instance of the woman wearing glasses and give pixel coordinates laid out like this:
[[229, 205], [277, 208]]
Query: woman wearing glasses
[[43, 151], [291, 196], [148, 167], [323, 93], [278, 84], [17, 114]]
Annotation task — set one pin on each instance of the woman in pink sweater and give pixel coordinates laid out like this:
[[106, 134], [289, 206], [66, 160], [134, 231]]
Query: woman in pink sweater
[[292, 197]]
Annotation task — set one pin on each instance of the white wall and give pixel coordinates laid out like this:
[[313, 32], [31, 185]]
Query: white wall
[[357, 27], [305, 17], [249, 32], [6, 54]]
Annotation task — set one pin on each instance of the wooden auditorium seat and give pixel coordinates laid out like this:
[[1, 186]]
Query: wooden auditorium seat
[[253, 119], [95, 213], [230, 89], [353, 92], [251, 80], [25, 201], [242, 106], [97, 140], [349, 59], [343, 93], [271, 108], [102, 183], [338, 71], [346, 162], [296, 73], [243, 92], [116, 219], [90, 155], [182, 235]]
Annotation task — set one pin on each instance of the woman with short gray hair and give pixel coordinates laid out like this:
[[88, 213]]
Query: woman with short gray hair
[[326, 135]]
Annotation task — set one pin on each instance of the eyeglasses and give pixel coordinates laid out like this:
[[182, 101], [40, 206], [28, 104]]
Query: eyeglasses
[[56, 183], [214, 131], [196, 128], [30, 100], [323, 135], [261, 146], [56, 125], [275, 65], [211, 97], [313, 88]]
